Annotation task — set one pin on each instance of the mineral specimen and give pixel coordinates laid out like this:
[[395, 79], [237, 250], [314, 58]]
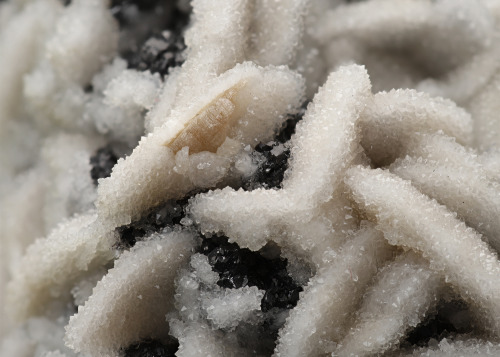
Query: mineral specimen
[[249, 178]]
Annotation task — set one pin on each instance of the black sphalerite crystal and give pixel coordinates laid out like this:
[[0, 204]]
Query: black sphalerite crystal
[[271, 172], [151, 349], [141, 4], [239, 267], [441, 325], [159, 53], [151, 33], [272, 169], [288, 127], [175, 19], [102, 163], [167, 214]]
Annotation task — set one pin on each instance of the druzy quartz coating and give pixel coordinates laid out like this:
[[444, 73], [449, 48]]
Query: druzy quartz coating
[[249, 178]]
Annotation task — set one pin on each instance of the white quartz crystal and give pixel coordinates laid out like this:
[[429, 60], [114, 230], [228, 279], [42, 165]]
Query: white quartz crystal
[[326, 306], [233, 306], [443, 239], [141, 284], [405, 293], [311, 180], [384, 199]]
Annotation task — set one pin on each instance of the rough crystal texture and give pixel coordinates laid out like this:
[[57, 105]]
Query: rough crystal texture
[[448, 348], [275, 41], [273, 162], [68, 50], [251, 218], [216, 42], [233, 306], [161, 217], [332, 295], [402, 43], [102, 163], [142, 295], [39, 336], [160, 53], [469, 192], [241, 267], [67, 253], [405, 292], [132, 89], [394, 116], [443, 239], [277, 87], [200, 101]]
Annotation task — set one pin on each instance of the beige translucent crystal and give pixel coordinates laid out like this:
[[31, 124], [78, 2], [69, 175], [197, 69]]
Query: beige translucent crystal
[[411, 219], [216, 42], [223, 34], [261, 97], [144, 179], [208, 129], [252, 218]]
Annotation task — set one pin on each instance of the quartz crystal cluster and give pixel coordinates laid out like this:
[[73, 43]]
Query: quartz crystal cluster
[[249, 178]]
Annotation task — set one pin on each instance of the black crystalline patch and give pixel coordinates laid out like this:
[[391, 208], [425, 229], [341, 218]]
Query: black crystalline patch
[[436, 328], [239, 267], [159, 53], [452, 318], [157, 43], [272, 170], [288, 127], [273, 156], [282, 292], [151, 348], [167, 214], [122, 10], [141, 4], [261, 339], [178, 21], [102, 163]]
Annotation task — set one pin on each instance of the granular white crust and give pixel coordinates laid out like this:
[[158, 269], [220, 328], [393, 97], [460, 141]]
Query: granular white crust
[[387, 208]]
